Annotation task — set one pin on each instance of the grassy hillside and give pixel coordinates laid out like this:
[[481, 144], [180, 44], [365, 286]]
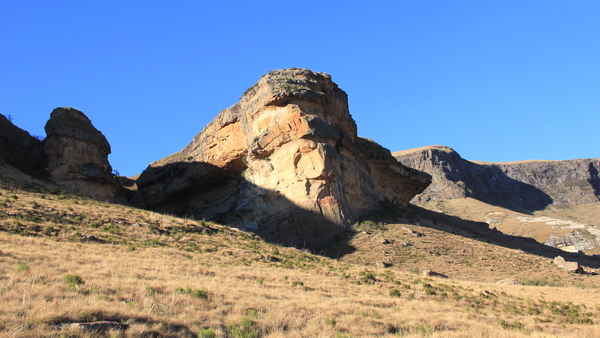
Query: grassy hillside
[[67, 259]]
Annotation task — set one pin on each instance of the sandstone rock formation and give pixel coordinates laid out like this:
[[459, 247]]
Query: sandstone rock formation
[[528, 185], [285, 162], [19, 149], [77, 155]]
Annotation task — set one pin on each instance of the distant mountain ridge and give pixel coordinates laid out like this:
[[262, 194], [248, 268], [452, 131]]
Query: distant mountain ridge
[[521, 186]]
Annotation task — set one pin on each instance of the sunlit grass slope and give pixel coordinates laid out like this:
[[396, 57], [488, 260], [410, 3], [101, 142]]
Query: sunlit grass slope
[[67, 259]]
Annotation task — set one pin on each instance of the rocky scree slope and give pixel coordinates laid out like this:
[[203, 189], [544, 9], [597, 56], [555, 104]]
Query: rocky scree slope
[[285, 162]]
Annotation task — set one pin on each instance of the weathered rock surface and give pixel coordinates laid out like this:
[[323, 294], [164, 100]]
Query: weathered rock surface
[[529, 185], [77, 155], [19, 149], [285, 162], [568, 266], [578, 240], [508, 282]]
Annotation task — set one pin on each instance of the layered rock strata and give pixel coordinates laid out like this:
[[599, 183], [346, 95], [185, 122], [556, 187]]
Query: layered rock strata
[[77, 155], [521, 186], [285, 162]]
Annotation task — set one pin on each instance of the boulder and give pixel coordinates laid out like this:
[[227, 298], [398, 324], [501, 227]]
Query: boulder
[[285, 163], [508, 282], [568, 266], [382, 264], [430, 273], [77, 155]]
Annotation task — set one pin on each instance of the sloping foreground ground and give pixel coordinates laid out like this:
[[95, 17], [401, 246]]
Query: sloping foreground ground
[[65, 259], [418, 239]]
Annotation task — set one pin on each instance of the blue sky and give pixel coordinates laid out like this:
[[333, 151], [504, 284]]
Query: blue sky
[[495, 80]]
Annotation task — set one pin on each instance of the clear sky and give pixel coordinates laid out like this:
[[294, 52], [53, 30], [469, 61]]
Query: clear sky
[[495, 80]]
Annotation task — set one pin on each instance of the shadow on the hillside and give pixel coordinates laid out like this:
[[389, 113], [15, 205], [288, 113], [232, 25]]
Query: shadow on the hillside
[[480, 231], [594, 179], [490, 184], [201, 191], [101, 323], [393, 216]]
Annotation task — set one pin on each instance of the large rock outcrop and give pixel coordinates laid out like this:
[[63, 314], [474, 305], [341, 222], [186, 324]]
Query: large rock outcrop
[[529, 185], [77, 155], [285, 162]]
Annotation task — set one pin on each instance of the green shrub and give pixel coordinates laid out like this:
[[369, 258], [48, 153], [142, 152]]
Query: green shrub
[[251, 313], [94, 225], [200, 294], [430, 290], [244, 330], [150, 290], [23, 267], [207, 333], [330, 321], [394, 293], [297, 283], [423, 329], [73, 280], [367, 277]]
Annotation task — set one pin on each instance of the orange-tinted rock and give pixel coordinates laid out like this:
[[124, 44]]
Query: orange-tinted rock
[[285, 162]]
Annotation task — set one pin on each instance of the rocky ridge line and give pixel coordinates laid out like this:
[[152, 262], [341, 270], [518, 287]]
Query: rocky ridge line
[[521, 186]]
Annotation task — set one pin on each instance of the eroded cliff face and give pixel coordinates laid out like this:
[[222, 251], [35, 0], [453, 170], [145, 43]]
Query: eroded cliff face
[[529, 185], [19, 149], [285, 162], [77, 155]]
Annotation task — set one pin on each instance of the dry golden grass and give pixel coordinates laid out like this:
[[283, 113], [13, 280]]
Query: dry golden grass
[[146, 289], [164, 276]]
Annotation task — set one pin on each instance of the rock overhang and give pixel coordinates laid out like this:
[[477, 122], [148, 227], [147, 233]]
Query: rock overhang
[[303, 175]]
